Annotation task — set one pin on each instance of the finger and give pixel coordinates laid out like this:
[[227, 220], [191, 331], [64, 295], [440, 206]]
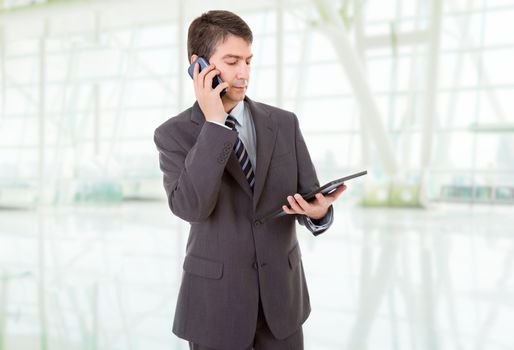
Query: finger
[[302, 202], [220, 87], [287, 210], [334, 195], [203, 73], [209, 77], [196, 72], [322, 199], [294, 205]]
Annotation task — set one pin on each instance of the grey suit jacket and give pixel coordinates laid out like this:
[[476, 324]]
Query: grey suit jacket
[[232, 256]]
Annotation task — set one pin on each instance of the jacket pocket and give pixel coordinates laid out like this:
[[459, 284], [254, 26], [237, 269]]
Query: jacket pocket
[[203, 267], [294, 257]]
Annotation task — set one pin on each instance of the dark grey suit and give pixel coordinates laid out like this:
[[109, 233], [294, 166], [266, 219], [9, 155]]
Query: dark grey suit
[[232, 257]]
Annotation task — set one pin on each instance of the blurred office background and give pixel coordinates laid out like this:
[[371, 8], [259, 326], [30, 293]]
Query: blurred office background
[[420, 93]]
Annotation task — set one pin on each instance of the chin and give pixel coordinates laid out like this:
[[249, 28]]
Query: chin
[[236, 97]]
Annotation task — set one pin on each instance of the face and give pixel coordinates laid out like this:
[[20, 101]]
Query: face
[[232, 58]]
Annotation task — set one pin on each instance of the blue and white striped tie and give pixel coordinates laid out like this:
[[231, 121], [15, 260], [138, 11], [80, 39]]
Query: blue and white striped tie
[[242, 153]]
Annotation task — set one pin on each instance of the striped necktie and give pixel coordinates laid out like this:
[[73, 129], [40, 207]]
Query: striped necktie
[[241, 153]]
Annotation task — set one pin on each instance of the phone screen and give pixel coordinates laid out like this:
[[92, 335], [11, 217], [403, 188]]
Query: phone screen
[[203, 63]]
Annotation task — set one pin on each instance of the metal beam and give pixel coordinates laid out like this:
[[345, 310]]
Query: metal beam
[[299, 97], [2, 72], [96, 93], [3, 308], [180, 54], [359, 47], [41, 114], [429, 116], [41, 278], [336, 33], [279, 13], [399, 39]]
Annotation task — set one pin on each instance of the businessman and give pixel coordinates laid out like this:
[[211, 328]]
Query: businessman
[[227, 163]]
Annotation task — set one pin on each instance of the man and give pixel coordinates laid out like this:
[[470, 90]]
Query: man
[[227, 163]]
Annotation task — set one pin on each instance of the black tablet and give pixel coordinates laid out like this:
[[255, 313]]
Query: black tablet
[[325, 189]]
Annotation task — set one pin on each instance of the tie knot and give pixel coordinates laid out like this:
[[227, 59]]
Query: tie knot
[[231, 122]]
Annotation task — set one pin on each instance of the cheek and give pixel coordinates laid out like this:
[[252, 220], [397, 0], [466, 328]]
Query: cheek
[[227, 77], [228, 74]]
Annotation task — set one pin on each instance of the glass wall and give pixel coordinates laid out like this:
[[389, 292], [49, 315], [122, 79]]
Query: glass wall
[[95, 261]]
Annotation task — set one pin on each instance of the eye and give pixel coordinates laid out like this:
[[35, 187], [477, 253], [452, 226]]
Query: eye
[[232, 63]]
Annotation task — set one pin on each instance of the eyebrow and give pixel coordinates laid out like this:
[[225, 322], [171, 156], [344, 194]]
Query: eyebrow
[[236, 56]]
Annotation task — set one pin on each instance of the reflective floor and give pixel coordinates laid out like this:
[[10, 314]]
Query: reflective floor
[[107, 277]]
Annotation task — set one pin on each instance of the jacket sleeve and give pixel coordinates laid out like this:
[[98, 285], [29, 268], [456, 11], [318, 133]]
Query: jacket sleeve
[[192, 177], [307, 182]]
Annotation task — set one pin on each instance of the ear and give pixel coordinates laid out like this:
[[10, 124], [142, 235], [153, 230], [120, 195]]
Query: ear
[[193, 58]]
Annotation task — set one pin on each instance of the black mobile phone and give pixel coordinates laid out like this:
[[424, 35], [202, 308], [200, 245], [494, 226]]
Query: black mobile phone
[[203, 63]]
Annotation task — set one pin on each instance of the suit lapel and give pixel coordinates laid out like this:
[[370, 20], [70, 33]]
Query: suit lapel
[[266, 133], [233, 167]]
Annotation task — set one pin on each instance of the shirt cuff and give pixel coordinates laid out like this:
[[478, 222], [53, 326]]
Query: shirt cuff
[[220, 124], [320, 224]]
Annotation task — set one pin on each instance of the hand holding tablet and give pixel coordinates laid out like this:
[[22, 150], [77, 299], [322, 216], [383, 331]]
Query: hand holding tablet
[[326, 189]]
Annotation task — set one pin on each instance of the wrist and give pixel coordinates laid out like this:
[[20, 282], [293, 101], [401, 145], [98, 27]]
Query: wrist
[[216, 118], [319, 216]]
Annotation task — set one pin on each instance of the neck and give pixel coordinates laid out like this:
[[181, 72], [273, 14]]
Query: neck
[[228, 104]]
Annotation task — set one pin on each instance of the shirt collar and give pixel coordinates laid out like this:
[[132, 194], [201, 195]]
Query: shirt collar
[[238, 112]]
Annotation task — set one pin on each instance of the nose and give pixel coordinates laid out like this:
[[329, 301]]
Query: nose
[[243, 71]]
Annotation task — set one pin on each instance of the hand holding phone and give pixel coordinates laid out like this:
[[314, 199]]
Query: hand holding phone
[[208, 97], [204, 64]]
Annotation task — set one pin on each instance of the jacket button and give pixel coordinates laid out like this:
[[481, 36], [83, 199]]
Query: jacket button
[[256, 223], [254, 265]]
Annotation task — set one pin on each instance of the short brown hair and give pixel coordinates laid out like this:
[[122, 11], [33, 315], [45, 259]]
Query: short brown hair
[[212, 28]]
